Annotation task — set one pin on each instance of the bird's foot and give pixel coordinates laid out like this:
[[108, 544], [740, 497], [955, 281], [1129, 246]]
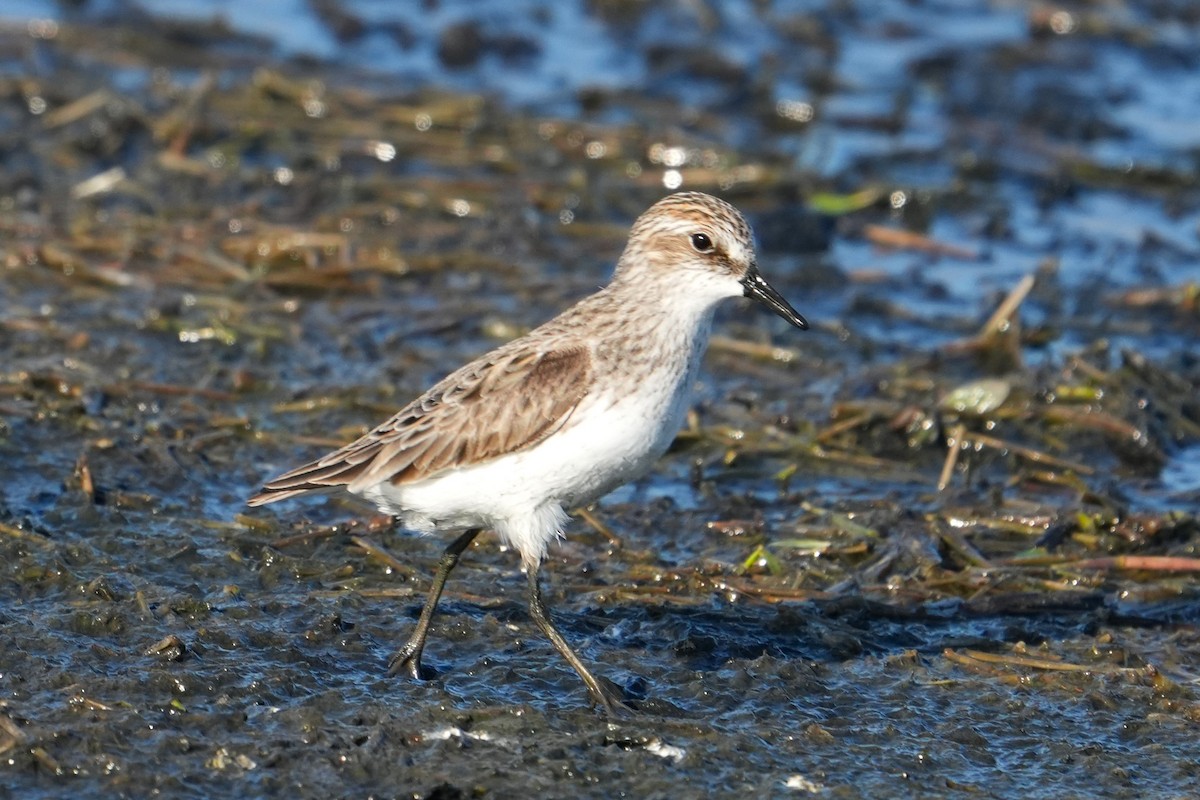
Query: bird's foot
[[609, 698], [408, 659]]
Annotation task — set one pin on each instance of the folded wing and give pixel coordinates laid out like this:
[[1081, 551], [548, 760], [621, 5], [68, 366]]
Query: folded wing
[[502, 403]]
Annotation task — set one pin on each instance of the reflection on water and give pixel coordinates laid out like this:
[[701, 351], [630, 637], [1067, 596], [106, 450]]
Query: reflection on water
[[1181, 476]]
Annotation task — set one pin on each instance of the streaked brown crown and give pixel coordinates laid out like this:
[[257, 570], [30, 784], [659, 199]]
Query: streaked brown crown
[[662, 235]]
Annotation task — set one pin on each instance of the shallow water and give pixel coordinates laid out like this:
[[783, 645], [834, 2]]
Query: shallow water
[[796, 609]]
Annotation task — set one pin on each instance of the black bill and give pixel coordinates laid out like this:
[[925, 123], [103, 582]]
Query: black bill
[[758, 289]]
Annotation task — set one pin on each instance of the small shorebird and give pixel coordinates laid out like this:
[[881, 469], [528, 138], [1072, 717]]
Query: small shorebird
[[557, 418]]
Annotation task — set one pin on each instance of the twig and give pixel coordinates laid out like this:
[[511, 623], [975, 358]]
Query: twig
[[1027, 452], [1013, 660], [598, 525], [1003, 314], [953, 447], [908, 240], [378, 553], [1149, 563]]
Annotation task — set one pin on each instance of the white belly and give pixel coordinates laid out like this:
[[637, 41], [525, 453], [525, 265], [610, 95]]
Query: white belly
[[607, 441]]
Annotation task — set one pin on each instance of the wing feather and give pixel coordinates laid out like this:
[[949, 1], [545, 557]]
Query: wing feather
[[505, 402]]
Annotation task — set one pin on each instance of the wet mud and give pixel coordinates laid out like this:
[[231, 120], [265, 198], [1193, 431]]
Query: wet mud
[[944, 544]]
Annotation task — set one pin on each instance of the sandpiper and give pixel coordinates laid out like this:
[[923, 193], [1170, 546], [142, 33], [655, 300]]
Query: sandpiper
[[562, 415]]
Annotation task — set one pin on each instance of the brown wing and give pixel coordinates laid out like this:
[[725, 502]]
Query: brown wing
[[502, 403]]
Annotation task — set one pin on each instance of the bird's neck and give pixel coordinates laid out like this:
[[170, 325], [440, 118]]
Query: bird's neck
[[667, 302], [653, 330]]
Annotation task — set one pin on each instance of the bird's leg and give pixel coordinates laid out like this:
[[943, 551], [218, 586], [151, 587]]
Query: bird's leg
[[408, 657], [601, 694]]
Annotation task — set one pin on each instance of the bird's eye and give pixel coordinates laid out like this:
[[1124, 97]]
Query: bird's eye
[[702, 243]]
